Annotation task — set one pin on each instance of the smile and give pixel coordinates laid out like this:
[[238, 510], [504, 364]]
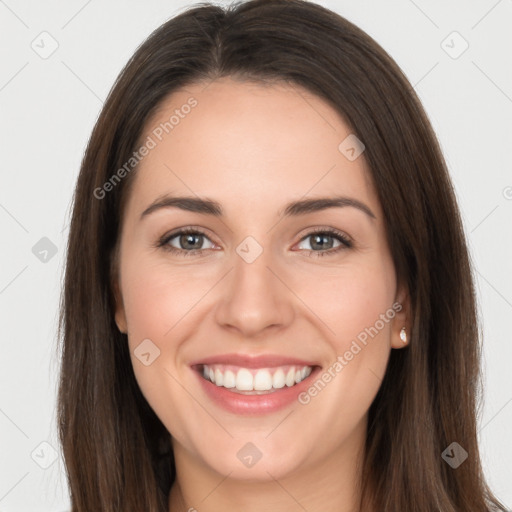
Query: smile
[[255, 381], [253, 385]]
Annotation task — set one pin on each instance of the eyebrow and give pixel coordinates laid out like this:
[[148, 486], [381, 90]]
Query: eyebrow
[[209, 207]]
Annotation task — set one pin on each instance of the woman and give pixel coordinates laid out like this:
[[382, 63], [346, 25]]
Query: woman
[[249, 372]]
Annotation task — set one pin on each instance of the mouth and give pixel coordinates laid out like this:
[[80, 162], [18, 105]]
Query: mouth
[[250, 381], [246, 385]]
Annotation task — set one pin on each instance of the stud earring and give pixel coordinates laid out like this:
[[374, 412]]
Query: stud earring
[[403, 335]]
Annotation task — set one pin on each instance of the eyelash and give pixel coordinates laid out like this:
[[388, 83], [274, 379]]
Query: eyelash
[[346, 243]]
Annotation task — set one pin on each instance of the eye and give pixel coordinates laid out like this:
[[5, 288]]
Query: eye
[[190, 241], [186, 239], [320, 241]]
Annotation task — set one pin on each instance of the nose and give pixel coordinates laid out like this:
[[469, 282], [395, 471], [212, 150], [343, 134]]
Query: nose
[[255, 298]]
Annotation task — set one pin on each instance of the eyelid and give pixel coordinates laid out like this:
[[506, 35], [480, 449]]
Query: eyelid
[[327, 230], [163, 241], [346, 242]]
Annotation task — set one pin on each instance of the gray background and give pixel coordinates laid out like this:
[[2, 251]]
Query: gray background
[[48, 108]]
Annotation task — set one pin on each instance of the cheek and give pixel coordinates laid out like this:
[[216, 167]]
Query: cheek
[[156, 306], [158, 299], [355, 303], [356, 306]]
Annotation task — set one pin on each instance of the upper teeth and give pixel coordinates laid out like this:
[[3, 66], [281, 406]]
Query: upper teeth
[[263, 379]]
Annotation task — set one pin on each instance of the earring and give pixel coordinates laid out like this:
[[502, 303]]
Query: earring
[[403, 335]]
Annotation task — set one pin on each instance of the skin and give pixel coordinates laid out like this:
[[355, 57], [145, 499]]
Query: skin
[[254, 148]]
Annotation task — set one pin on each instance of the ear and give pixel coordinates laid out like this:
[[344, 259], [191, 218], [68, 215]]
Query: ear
[[120, 315], [402, 308]]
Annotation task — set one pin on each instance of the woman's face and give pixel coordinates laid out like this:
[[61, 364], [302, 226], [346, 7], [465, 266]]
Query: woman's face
[[302, 301]]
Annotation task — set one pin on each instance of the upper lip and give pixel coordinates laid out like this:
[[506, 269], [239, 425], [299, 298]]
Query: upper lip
[[247, 361]]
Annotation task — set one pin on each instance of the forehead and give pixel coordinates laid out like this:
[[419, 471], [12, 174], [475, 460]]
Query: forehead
[[247, 144]]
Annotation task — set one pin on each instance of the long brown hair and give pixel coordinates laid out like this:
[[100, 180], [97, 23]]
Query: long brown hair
[[117, 452]]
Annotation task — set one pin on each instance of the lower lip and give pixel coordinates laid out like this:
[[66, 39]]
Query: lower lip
[[255, 404]]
